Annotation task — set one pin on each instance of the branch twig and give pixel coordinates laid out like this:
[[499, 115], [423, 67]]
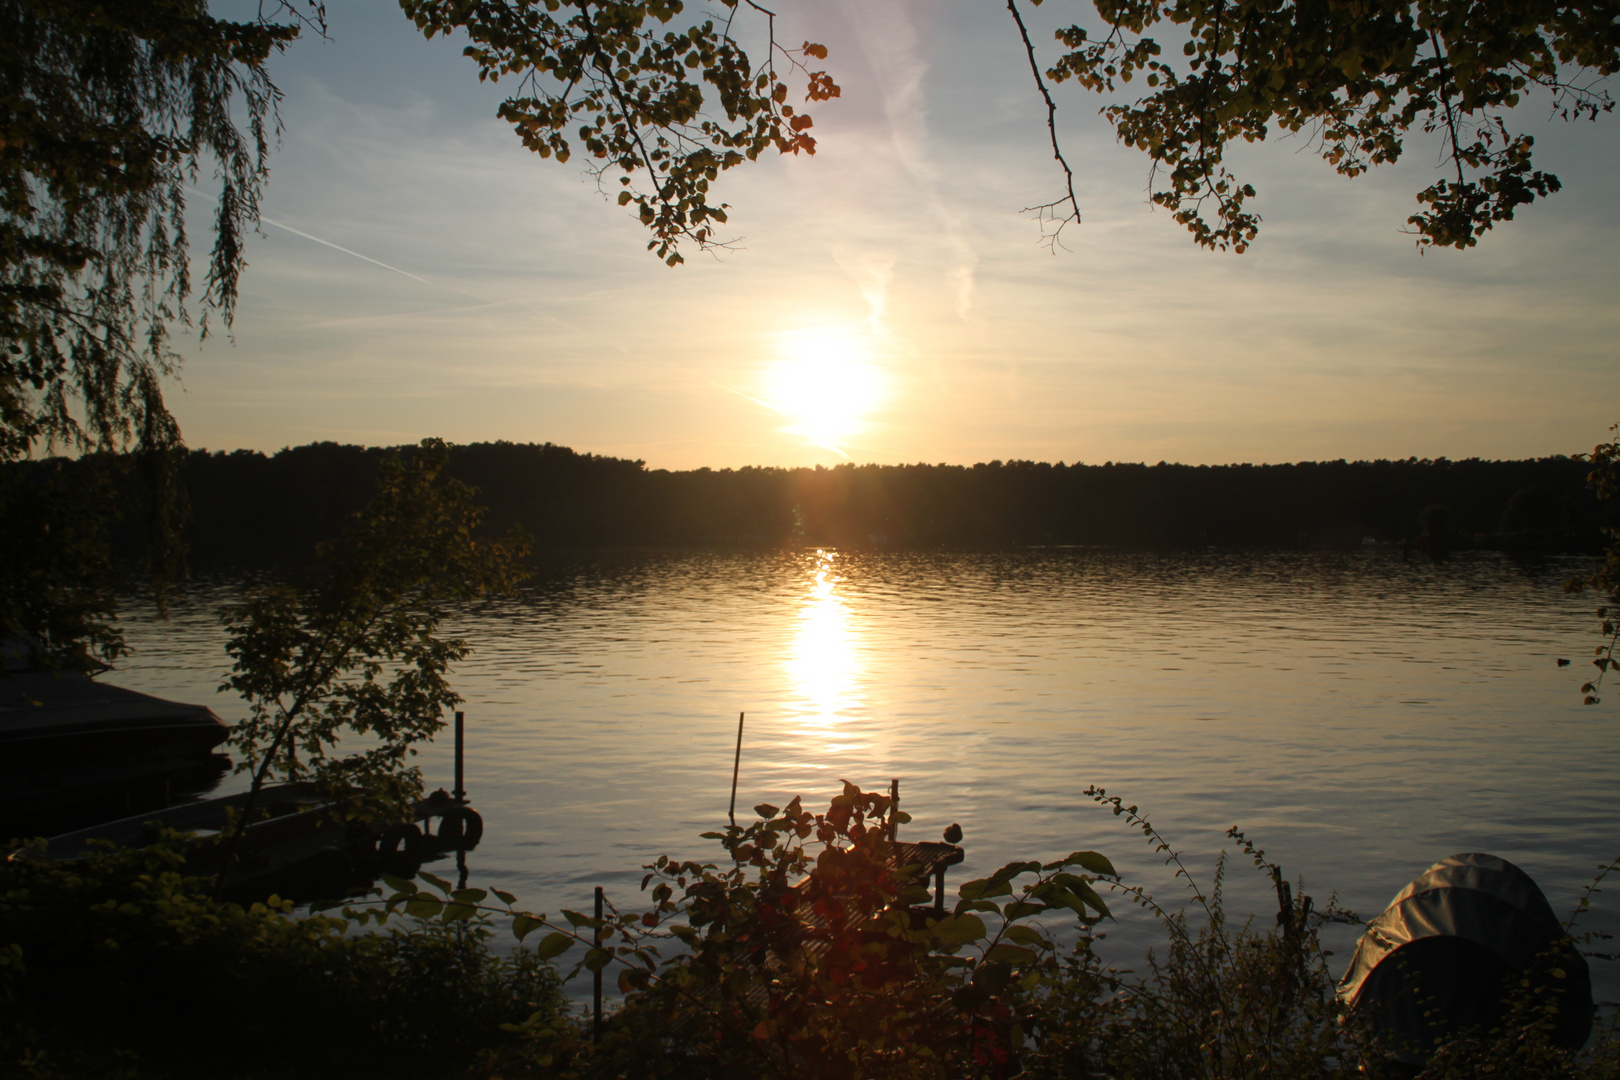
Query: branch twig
[[1048, 210]]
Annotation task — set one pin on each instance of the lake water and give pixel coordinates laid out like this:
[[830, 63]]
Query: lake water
[[1358, 715]]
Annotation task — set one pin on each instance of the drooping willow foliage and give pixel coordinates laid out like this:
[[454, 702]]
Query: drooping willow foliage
[[112, 115]]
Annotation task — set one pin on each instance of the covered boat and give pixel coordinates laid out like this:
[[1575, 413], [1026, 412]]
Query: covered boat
[[74, 751], [65, 717], [1445, 957]]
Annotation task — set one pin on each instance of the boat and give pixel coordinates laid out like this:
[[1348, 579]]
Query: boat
[[1447, 956], [49, 719], [75, 750], [295, 830]]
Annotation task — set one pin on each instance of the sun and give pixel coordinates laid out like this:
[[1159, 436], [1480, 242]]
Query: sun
[[824, 383]]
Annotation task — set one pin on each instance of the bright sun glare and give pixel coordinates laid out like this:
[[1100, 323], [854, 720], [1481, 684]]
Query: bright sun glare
[[825, 385], [824, 660]]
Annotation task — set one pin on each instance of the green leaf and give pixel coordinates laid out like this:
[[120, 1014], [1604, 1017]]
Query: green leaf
[[1022, 909], [1093, 861], [979, 905], [505, 897], [983, 887], [469, 896], [765, 810], [1014, 869], [1066, 897], [458, 912], [597, 959], [437, 882], [399, 884], [553, 945], [954, 931], [1028, 935], [915, 894], [424, 907], [1008, 954], [575, 919], [1089, 895]]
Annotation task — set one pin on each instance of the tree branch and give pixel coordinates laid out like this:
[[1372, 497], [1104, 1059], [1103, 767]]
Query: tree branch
[[1048, 211]]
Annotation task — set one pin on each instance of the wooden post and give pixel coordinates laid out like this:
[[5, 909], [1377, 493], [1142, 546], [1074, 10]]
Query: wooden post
[[461, 728], [736, 765], [894, 808], [596, 976]]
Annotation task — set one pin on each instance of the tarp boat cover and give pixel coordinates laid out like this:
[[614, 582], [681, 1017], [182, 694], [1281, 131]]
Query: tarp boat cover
[[51, 716], [1453, 944]]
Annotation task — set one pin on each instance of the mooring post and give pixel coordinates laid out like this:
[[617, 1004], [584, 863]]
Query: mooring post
[[736, 765], [461, 732], [894, 808], [596, 976]]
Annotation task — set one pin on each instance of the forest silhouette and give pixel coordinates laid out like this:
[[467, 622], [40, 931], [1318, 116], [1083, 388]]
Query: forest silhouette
[[252, 509]]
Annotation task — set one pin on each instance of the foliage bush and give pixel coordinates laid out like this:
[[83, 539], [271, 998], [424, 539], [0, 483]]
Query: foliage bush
[[121, 966], [981, 990], [832, 965], [807, 952]]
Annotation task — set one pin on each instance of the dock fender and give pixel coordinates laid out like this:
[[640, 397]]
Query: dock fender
[[401, 837], [461, 827]]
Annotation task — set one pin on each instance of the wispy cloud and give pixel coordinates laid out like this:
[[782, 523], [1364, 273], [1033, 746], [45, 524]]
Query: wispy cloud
[[891, 38]]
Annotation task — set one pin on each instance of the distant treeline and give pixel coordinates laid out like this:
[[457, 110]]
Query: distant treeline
[[248, 508]]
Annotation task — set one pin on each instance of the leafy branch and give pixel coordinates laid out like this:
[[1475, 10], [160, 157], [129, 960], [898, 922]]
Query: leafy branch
[[1359, 77], [641, 85]]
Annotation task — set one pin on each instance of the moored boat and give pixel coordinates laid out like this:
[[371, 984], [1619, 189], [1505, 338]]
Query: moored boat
[[293, 828], [49, 719]]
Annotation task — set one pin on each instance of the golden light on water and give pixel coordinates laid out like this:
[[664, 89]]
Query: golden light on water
[[824, 382], [824, 661]]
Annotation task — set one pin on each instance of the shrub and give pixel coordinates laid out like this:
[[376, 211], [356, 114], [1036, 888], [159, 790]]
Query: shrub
[[121, 966]]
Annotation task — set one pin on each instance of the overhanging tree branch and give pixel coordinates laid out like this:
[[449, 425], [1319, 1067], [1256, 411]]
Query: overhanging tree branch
[[1048, 213]]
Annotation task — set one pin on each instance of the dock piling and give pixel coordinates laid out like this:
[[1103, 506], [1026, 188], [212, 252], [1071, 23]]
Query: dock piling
[[460, 791], [596, 976], [736, 767]]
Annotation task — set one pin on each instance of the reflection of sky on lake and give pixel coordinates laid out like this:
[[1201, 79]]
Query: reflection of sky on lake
[[823, 661]]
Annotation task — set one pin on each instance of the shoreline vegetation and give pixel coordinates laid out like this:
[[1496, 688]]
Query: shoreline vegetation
[[249, 509], [801, 951]]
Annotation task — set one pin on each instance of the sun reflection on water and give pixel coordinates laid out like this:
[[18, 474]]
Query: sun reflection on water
[[824, 660]]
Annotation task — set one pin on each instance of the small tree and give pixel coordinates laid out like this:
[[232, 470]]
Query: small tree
[[357, 655], [1604, 480]]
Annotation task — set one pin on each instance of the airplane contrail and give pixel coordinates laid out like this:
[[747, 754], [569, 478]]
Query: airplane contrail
[[346, 251]]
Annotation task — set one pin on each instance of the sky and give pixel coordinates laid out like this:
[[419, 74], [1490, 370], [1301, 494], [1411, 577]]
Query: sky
[[421, 274]]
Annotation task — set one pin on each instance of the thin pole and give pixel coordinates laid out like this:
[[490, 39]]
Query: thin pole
[[894, 808], [596, 976], [736, 765], [461, 746]]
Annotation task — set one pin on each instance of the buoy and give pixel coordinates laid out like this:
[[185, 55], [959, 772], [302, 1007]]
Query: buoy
[[400, 837], [461, 827]]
